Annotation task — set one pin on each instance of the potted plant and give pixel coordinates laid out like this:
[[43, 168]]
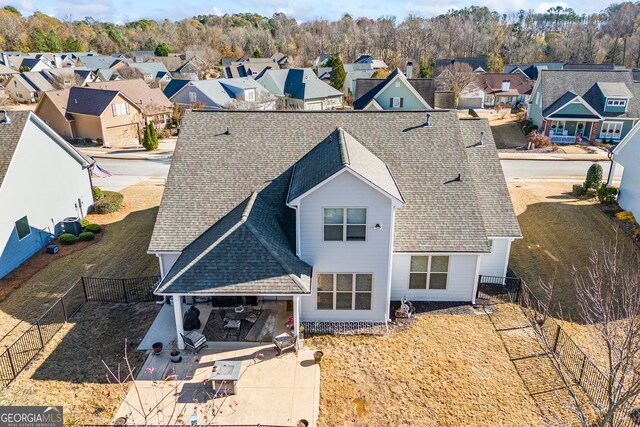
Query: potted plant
[[175, 354], [301, 332], [317, 356], [157, 348]]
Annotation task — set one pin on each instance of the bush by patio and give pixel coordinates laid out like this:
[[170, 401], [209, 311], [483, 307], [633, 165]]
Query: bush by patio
[[594, 177], [86, 236], [67, 239], [93, 228], [607, 195], [626, 216], [111, 202], [97, 193]]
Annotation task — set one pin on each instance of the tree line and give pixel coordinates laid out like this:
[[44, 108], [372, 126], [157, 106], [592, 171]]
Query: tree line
[[560, 34]]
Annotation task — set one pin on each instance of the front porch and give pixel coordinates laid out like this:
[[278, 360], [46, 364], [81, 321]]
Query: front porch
[[570, 131]]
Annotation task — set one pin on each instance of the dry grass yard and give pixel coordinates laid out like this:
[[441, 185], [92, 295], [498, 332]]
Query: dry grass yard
[[444, 370], [69, 371], [506, 131], [559, 232], [121, 252]]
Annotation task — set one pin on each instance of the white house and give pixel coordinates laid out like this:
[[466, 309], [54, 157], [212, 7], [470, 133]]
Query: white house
[[627, 155], [339, 212], [43, 180]]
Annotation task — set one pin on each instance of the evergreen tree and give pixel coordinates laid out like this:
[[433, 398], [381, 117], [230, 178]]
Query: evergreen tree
[[594, 177], [154, 135], [257, 53], [337, 73], [149, 142], [162, 49]]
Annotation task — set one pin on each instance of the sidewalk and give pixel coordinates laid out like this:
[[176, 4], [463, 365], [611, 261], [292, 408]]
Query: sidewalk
[[595, 157], [164, 151]]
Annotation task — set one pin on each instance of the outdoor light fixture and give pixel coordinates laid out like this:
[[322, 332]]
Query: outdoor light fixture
[[378, 226]]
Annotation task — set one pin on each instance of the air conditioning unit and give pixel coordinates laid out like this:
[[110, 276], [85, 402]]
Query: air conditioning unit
[[72, 225]]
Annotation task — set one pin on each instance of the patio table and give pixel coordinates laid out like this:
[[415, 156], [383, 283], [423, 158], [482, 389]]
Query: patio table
[[225, 376]]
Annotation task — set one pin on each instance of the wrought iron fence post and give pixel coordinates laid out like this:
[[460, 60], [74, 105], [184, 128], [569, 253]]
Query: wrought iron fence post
[[124, 289], [518, 292], [40, 333], [84, 289], [557, 338], [584, 361], [64, 311], [13, 368]]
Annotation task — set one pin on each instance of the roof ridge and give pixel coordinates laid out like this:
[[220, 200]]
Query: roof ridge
[[342, 144]]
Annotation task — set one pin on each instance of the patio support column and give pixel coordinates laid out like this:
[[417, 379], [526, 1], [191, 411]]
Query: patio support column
[[296, 315], [177, 310]]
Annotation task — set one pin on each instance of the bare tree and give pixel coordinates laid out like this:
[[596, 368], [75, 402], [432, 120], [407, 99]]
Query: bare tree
[[608, 297], [455, 77]]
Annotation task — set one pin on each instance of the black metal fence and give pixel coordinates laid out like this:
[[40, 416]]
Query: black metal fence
[[18, 355], [586, 374]]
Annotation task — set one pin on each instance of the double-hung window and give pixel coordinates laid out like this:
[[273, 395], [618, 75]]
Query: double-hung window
[[612, 130], [396, 102], [429, 272], [23, 228], [344, 291], [120, 109], [250, 95], [616, 102], [345, 224]]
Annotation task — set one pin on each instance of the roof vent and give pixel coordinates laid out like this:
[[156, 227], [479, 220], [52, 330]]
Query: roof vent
[[227, 132], [5, 120], [427, 122], [481, 142]]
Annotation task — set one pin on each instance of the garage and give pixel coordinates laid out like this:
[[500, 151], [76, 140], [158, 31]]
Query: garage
[[467, 103], [314, 106], [122, 136]]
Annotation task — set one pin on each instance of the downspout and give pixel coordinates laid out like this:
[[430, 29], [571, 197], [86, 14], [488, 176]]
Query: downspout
[[612, 168]]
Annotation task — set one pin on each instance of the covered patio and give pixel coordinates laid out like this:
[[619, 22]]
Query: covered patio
[[565, 131]]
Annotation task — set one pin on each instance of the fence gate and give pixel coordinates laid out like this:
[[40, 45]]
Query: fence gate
[[505, 289]]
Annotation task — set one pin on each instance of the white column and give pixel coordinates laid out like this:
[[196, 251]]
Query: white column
[[296, 316], [177, 310]]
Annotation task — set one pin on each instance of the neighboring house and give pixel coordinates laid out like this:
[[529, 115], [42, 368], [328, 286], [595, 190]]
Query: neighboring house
[[396, 92], [33, 64], [95, 62], [342, 213], [477, 64], [153, 71], [143, 55], [281, 59], [6, 71], [584, 105], [106, 75], [531, 71], [490, 89], [627, 154], [376, 64], [96, 114], [241, 93], [249, 67], [353, 72], [174, 86], [156, 107], [43, 180], [28, 87], [322, 59], [301, 89]]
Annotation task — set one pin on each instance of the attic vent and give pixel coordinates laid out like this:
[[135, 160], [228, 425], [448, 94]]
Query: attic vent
[[227, 132], [5, 120], [427, 122], [481, 142]]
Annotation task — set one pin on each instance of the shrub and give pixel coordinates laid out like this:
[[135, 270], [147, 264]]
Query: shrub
[[93, 228], [607, 195], [100, 141], [164, 133], [530, 128], [84, 223], [626, 216], [578, 190], [594, 177], [97, 193], [538, 140], [111, 202], [67, 239], [86, 236], [150, 139]]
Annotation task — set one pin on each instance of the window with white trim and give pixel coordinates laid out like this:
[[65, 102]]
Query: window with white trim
[[611, 130], [396, 102], [557, 127], [250, 95], [345, 224], [23, 228], [616, 102], [429, 272], [120, 109], [344, 291], [193, 97]]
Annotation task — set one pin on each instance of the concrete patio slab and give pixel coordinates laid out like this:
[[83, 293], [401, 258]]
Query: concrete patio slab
[[275, 390]]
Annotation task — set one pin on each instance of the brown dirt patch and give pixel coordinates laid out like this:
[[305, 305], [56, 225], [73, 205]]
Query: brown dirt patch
[[122, 252], [69, 371], [444, 370]]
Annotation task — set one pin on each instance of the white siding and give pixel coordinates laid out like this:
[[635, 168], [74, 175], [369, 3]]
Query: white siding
[[460, 283], [629, 198], [495, 263], [371, 256], [43, 182], [166, 261]]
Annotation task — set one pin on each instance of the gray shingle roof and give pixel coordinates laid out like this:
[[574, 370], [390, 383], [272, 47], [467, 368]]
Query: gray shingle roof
[[367, 89], [493, 194], [9, 138], [614, 90], [474, 63], [300, 83], [556, 84], [245, 252], [212, 172], [338, 151], [93, 102]]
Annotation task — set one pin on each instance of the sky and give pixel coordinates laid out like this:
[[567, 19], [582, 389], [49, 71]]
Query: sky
[[120, 11]]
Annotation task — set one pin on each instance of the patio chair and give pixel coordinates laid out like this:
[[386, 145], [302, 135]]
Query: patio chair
[[194, 341], [284, 342]]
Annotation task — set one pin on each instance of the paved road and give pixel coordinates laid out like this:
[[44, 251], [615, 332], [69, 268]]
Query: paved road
[[129, 172], [520, 170]]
